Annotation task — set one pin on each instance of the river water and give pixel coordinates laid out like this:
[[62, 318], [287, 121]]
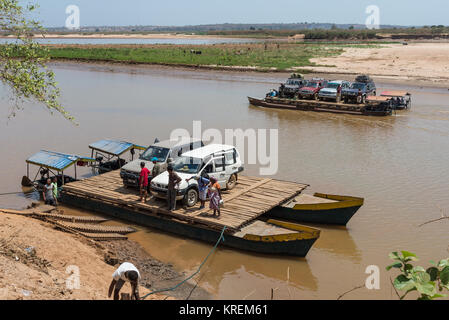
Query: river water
[[178, 41], [399, 164]]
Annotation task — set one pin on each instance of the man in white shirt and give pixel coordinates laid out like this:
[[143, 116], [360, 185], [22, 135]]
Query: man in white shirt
[[125, 272]]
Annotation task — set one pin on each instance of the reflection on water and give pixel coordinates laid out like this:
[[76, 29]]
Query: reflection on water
[[337, 240], [399, 164], [189, 253]]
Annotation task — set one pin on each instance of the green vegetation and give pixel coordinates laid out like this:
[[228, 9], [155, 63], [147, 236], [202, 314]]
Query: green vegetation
[[337, 34], [261, 56], [23, 63], [314, 34], [429, 283]]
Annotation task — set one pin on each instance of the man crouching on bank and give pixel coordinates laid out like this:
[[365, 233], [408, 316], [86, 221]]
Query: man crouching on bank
[[125, 272]]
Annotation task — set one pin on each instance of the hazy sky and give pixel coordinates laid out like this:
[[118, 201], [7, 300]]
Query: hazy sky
[[187, 12]]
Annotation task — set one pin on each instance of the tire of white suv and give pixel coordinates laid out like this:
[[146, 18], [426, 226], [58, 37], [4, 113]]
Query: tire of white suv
[[191, 197], [231, 182]]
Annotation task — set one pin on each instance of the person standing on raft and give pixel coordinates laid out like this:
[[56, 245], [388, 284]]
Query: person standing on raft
[[173, 181], [215, 196], [47, 193], [143, 182], [203, 186], [55, 189]]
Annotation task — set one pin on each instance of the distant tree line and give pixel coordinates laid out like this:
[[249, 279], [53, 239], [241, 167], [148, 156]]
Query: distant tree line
[[335, 33], [340, 34]]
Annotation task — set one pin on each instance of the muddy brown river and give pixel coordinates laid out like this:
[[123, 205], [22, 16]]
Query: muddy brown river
[[399, 164]]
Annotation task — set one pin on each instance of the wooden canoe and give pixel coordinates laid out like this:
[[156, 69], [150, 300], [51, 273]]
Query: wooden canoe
[[319, 208]]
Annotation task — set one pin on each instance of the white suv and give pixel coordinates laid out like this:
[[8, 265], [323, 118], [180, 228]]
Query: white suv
[[218, 161]]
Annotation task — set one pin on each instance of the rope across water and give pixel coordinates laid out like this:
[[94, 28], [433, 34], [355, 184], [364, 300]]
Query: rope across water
[[221, 238]]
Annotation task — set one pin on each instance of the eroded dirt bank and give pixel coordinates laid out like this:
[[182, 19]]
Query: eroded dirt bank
[[36, 261]]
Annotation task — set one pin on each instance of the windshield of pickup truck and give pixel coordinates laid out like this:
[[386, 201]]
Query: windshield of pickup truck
[[187, 165], [312, 84], [356, 85], [293, 82], [333, 85], [155, 152]]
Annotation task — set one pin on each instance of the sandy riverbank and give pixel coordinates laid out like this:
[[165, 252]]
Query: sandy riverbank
[[34, 258], [416, 61]]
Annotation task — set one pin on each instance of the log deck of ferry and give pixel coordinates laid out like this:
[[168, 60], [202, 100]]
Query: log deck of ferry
[[375, 106], [241, 217]]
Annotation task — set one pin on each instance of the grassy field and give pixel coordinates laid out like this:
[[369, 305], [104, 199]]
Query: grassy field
[[259, 56]]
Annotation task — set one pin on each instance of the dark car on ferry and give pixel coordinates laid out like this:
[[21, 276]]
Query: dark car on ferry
[[290, 88], [359, 91], [312, 88]]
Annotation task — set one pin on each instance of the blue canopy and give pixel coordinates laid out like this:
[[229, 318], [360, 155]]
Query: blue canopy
[[114, 147], [55, 160]]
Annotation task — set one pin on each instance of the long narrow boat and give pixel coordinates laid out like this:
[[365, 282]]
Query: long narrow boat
[[373, 108], [319, 208]]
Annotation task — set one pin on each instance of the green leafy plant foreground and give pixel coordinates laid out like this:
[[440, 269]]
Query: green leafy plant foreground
[[23, 62], [429, 283]]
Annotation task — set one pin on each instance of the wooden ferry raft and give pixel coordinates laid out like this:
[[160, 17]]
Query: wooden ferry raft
[[239, 219], [368, 109], [251, 198]]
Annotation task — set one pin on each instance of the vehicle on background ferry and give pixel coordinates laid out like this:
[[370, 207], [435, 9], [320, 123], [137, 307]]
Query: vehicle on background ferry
[[333, 89], [312, 89]]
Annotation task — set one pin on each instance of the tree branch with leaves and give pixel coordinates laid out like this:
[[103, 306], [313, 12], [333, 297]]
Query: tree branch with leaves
[[23, 62], [429, 283]]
